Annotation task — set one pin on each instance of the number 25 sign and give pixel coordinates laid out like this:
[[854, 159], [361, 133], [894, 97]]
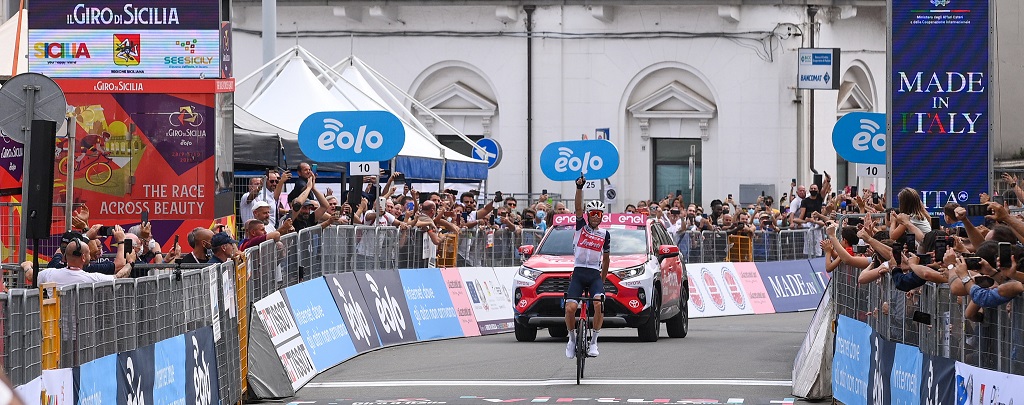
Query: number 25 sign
[[351, 136]]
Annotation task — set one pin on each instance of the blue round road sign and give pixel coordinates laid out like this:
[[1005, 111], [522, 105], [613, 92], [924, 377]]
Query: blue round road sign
[[493, 152]]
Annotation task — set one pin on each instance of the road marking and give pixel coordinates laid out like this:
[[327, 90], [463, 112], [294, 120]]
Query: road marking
[[535, 383]]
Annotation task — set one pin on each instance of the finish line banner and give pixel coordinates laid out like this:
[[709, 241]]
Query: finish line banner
[[939, 114]]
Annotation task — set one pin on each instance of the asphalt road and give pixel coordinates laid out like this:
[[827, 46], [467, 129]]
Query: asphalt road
[[734, 360]]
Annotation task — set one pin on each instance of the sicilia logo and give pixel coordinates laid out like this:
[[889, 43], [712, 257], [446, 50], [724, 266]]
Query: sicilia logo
[[127, 49]]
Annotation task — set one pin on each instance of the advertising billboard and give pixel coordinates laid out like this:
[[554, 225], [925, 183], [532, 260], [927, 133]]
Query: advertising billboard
[[939, 110], [111, 38]]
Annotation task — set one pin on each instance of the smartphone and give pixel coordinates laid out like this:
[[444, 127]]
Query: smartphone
[[977, 210], [175, 242], [313, 167], [106, 231], [145, 216], [679, 193], [1004, 255], [400, 179], [935, 223], [730, 196], [922, 317], [127, 247], [897, 251], [973, 263], [941, 243], [999, 199], [497, 196], [853, 191], [874, 198], [961, 232], [793, 182], [853, 221], [544, 191]]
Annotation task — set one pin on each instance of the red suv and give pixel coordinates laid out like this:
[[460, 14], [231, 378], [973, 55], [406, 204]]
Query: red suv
[[646, 283]]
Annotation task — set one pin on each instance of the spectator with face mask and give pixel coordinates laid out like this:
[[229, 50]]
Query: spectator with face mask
[[199, 239]]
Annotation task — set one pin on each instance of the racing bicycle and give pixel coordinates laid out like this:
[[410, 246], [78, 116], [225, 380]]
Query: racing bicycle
[[583, 331]]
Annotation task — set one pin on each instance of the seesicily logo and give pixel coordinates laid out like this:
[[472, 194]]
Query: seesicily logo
[[189, 46], [127, 49]]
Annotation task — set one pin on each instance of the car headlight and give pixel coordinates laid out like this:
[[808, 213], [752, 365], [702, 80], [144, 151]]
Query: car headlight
[[629, 273], [529, 273]]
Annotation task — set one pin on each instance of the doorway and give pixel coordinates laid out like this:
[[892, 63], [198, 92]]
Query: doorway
[[673, 166]]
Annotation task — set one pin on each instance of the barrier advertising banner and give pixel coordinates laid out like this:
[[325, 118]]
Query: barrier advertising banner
[[939, 106], [905, 379], [201, 380], [492, 305], [354, 311], [976, 385], [460, 301], [275, 315], [320, 323], [851, 363], [720, 288], [936, 373], [754, 288], [169, 370], [882, 353], [135, 376], [31, 391], [298, 365], [431, 307], [382, 291], [96, 384], [792, 285], [58, 386], [818, 267]]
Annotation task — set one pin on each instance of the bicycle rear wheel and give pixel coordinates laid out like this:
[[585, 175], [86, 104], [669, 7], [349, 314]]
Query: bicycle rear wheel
[[581, 350]]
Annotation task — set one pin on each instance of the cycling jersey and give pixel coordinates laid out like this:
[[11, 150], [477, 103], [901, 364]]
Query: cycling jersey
[[590, 244]]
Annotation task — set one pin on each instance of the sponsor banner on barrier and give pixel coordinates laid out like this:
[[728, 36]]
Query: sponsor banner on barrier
[[274, 313], [432, 311], [31, 391], [95, 385], [976, 385], [58, 386], [818, 267], [201, 380], [319, 322], [382, 291], [792, 286], [721, 290], [492, 304], [169, 371], [460, 300], [882, 354], [905, 379], [135, 376], [937, 372], [354, 311], [851, 362], [754, 287], [298, 366]]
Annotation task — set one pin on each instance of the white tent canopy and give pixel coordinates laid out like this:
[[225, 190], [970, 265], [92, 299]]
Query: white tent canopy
[[8, 38], [297, 84]]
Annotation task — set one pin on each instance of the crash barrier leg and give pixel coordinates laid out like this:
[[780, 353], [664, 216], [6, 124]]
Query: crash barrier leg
[[448, 250], [242, 300]]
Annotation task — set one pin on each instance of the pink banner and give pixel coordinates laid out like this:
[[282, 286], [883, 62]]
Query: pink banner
[[608, 219], [754, 286], [460, 300]]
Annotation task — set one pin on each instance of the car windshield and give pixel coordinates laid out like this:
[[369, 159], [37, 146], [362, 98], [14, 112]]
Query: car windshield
[[624, 241]]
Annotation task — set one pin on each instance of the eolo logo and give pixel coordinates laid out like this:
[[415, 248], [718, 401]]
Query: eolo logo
[[565, 161]]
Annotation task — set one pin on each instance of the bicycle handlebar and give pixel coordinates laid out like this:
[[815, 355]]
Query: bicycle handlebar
[[599, 299]]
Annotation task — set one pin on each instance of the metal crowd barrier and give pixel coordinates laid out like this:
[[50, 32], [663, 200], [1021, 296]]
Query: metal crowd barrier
[[100, 319], [764, 246]]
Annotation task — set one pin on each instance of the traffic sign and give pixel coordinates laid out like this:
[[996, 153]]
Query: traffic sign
[[491, 148], [351, 136], [566, 160]]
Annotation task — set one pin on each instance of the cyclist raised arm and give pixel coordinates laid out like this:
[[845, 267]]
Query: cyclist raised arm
[[591, 251]]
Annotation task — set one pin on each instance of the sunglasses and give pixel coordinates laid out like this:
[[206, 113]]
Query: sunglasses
[[510, 204], [272, 181], [595, 213]]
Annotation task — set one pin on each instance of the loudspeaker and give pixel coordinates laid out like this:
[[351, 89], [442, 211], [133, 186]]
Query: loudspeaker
[[38, 204]]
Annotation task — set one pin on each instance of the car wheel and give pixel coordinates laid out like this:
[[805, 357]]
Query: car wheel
[[679, 325], [649, 331], [558, 332], [525, 333]]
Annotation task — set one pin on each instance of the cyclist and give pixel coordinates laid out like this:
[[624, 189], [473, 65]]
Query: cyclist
[[591, 247], [93, 145]]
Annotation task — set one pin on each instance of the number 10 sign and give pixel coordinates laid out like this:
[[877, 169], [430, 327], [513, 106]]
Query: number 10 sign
[[351, 136]]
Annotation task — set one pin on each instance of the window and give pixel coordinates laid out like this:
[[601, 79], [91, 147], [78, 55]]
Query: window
[[672, 168]]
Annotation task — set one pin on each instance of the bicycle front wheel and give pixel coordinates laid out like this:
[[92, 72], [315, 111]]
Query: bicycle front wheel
[[581, 348]]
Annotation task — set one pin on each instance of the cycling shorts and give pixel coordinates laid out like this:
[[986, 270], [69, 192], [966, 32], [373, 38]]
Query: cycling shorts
[[585, 278]]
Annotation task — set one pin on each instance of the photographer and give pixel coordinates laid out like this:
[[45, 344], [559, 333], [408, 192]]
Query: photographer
[[988, 286]]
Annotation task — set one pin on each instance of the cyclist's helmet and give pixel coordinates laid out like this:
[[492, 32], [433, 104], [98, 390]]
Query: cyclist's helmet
[[596, 205]]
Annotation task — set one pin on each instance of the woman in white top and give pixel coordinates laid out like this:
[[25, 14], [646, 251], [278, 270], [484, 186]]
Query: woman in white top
[[913, 217]]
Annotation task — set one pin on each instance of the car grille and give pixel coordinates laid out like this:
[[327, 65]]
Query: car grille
[[561, 285]]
